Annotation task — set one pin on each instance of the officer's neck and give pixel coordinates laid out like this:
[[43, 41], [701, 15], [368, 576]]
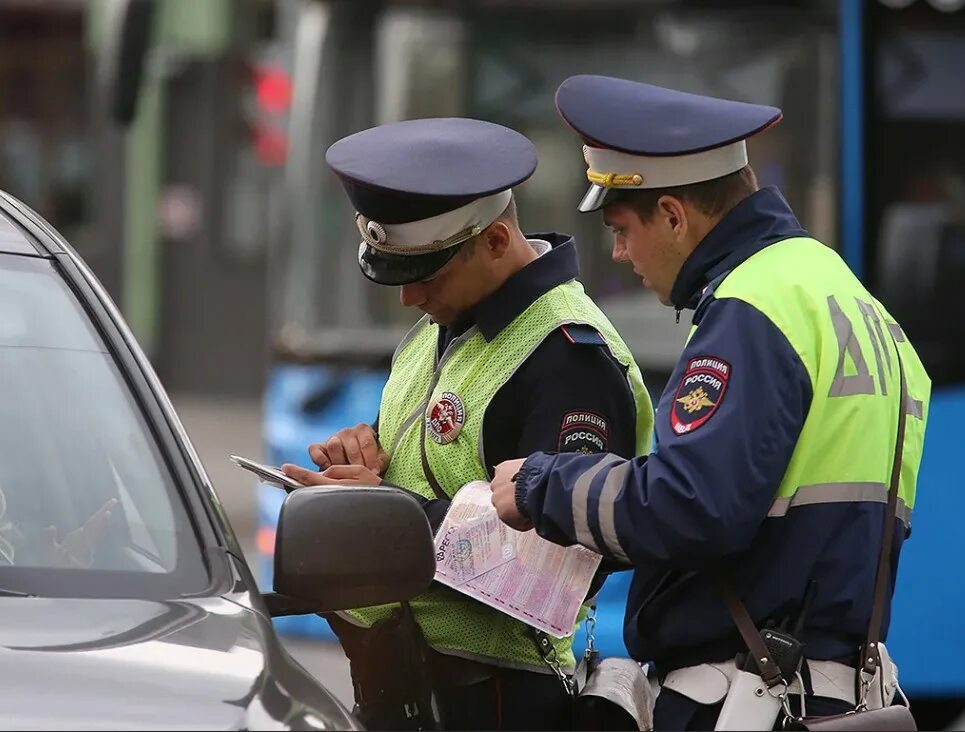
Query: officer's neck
[[518, 254]]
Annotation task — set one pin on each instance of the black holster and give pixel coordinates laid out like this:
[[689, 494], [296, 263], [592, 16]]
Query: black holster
[[390, 672]]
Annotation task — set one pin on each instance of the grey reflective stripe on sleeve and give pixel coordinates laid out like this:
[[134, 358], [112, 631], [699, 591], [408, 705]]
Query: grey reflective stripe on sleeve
[[914, 406], [581, 502], [896, 332], [810, 495], [612, 485]]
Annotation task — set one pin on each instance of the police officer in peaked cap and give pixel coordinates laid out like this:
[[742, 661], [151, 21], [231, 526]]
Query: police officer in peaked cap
[[775, 437], [510, 357]]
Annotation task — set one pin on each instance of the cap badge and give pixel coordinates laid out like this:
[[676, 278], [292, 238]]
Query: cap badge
[[376, 231], [445, 418]]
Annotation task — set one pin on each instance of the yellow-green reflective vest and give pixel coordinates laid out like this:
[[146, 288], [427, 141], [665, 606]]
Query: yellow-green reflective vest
[[847, 342], [475, 369]]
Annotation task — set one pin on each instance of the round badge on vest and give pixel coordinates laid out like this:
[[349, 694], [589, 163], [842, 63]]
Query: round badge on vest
[[445, 417]]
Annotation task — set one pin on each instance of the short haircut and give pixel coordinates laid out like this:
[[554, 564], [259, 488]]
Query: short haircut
[[509, 213], [710, 197], [508, 216]]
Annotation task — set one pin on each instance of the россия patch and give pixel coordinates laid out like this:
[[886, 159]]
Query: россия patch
[[585, 432], [701, 391]]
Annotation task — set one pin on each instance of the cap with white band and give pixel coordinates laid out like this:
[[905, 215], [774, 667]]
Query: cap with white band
[[421, 188], [435, 233], [640, 136]]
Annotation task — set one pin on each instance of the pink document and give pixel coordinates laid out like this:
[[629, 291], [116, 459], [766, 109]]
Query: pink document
[[531, 579]]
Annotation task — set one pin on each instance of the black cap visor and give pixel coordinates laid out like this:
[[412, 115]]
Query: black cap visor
[[384, 268]]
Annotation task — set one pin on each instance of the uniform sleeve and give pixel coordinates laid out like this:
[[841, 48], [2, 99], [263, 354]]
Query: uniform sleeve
[[726, 428], [570, 396], [574, 397]]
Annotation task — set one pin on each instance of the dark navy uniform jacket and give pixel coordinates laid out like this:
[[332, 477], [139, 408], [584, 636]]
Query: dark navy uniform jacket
[[572, 370], [701, 501]]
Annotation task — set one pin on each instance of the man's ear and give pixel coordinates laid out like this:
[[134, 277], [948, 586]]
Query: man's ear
[[496, 238], [674, 213]]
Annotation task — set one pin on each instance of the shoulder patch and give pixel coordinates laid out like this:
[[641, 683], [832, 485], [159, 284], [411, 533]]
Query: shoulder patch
[[581, 333], [701, 391], [585, 432]]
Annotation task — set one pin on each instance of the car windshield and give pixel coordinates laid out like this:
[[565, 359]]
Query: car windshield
[[87, 505]]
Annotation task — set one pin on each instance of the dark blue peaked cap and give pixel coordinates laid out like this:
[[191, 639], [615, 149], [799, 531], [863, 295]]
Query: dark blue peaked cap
[[406, 172], [643, 119], [641, 136]]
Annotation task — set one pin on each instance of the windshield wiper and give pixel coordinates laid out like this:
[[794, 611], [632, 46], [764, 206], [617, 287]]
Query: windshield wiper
[[14, 593]]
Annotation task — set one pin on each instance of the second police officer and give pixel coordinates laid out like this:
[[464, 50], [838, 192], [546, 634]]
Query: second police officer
[[776, 434]]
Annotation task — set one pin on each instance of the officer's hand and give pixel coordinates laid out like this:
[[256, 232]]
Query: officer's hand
[[78, 547], [358, 445], [357, 475], [503, 487]]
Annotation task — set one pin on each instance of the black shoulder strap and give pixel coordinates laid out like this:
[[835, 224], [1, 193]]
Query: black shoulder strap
[[869, 653], [768, 669], [545, 647]]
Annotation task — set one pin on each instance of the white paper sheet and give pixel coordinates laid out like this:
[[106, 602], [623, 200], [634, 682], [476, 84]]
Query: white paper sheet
[[521, 574]]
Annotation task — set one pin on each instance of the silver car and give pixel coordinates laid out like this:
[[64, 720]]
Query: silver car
[[125, 600]]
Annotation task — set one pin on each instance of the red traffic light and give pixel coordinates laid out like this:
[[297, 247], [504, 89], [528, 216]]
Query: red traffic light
[[273, 88], [271, 145]]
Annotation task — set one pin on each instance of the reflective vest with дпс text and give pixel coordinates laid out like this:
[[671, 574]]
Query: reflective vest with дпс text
[[841, 333], [474, 370]]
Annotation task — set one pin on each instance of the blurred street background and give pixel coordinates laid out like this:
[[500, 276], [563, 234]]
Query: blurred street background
[[184, 161]]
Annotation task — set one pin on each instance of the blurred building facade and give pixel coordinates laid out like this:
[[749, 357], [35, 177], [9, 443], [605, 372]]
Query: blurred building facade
[[178, 213], [215, 224], [173, 213]]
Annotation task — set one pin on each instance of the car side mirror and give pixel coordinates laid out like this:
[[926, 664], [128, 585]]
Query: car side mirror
[[341, 548]]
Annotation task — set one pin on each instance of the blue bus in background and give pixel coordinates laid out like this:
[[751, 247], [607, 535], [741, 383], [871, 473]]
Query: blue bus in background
[[871, 155]]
